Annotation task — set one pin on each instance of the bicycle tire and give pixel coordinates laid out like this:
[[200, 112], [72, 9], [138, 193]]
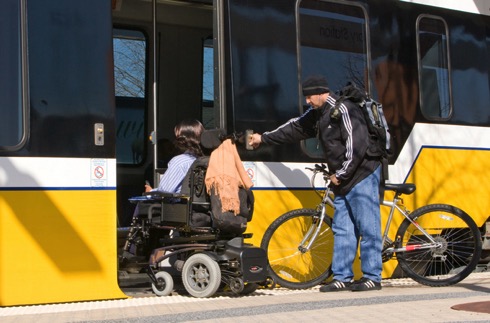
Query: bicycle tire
[[288, 266], [460, 249]]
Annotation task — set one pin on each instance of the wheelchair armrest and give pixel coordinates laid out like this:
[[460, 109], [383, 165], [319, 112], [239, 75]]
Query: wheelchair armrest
[[158, 195]]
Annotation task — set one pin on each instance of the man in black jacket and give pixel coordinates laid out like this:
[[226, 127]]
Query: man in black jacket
[[344, 135]]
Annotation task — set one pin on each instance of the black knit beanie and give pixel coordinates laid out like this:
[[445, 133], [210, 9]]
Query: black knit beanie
[[315, 85]]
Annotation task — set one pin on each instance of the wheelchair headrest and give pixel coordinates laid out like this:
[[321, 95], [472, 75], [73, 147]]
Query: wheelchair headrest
[[211, 139]]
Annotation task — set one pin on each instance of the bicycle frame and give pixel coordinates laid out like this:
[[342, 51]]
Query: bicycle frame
[[315, 229], [397, 203], [326, 199]]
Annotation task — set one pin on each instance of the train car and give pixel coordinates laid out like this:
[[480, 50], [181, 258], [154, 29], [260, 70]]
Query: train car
[[426, 63], [90, 92]]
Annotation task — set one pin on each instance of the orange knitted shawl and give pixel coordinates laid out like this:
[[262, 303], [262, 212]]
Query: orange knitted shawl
[[226, 174]]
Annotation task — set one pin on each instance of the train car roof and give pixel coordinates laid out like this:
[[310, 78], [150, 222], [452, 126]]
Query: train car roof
[[472, 6]]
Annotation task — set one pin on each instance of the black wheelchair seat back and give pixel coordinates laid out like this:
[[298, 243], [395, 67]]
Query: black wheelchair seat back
[[212, 139], [194, 187], [206, 208]]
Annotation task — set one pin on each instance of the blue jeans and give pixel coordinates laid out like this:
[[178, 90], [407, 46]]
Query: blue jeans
[[357, 218]]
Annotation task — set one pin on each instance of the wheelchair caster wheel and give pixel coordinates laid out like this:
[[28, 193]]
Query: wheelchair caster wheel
[[249, 289], [165, 284], [236, 285], [269, 283]]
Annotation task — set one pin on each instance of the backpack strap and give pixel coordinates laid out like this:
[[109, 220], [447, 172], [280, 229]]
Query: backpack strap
[[335, 113]]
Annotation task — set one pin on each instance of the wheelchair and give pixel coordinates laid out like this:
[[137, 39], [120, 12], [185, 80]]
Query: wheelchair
[[177, 230]]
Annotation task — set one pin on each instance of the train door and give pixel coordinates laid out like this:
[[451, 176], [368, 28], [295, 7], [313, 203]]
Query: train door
[[164, 73], [158, 82]]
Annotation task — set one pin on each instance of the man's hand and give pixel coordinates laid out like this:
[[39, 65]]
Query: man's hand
[[334, 179], [255, 140]]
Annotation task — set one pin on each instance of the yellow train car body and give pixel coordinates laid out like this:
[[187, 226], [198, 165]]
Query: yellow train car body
[[58, 243]]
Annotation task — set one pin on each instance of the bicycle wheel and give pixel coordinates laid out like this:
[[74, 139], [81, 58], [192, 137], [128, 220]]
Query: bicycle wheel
[[289, 265], [458, 250]]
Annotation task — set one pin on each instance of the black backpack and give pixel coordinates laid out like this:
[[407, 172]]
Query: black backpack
[[379, 133], [227, 221]]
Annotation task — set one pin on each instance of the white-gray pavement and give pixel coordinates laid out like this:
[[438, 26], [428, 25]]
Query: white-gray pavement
[[399, 301]]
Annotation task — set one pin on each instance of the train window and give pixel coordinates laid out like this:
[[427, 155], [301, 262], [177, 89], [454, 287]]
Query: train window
[[488, 54], [208, 84], [333, 43], [130, 61], [433, 61], [11, 102]]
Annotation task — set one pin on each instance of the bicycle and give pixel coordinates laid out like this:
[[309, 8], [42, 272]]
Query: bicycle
[[435, 245]]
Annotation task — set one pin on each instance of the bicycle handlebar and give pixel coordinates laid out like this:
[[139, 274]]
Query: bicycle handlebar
[[320, 168]]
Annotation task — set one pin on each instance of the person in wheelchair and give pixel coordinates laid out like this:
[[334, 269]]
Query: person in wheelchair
[[207, 220], [215, 205], [187, 143]]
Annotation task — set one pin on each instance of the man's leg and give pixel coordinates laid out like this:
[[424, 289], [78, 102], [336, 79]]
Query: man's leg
[[345, 241], [364, 200]]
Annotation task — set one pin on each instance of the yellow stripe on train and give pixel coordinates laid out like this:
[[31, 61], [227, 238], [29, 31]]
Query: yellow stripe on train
[[443, 175], [58, 246], [453, 176]]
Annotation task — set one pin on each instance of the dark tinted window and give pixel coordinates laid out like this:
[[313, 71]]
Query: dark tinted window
[[11, 103], [130, 87], [433, 60], [208, 109], [333, 43]]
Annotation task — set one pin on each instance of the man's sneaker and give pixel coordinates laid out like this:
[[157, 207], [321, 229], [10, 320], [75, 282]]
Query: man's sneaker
[[335, 286], [365, 284]]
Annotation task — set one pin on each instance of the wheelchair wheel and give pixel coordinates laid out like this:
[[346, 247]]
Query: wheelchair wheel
[[166, 284], [201, 275], [249, 288]]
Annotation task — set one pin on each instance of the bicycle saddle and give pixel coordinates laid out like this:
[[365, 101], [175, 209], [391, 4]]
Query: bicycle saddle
[[401, 188]]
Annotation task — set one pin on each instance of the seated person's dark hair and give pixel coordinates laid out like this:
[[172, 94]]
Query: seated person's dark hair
[[188, 137]]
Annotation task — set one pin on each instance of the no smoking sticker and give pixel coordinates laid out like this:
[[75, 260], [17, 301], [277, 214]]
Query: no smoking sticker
[[98, 176], [251, 170], [99, 172]]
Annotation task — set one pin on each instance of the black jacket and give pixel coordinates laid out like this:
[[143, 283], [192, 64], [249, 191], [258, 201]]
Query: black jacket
[[344, 140]]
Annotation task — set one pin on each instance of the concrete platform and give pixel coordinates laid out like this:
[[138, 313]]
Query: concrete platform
[[400, 300]]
